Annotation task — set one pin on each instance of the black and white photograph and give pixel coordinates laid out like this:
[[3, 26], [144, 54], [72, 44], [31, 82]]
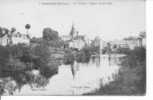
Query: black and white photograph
[[72, 48]]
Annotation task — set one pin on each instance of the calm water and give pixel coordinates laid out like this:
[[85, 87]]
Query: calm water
[[75, 79]]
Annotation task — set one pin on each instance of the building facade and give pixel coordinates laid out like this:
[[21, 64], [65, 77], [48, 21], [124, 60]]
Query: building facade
[[74, 40], [14, 38], [4, 40], [20, 38], [77, 43], [130, 43]]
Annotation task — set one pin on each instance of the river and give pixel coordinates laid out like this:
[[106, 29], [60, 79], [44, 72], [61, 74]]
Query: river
[[78, 78]]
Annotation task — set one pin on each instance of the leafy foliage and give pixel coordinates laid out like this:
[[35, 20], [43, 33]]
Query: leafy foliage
[[84, 55], [27, 26], [49, 34]]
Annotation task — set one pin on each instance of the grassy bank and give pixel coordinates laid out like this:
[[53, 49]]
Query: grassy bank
[[131, 79]]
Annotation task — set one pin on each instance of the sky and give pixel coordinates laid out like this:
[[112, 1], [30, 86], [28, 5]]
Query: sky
[[121, 18]]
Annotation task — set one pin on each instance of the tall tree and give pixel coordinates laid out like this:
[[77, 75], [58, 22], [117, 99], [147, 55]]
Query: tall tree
[[11, 34], [13, 30], [27, 27], [49, 34]]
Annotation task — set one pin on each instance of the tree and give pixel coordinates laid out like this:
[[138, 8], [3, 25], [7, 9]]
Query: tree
[[6, 31], [4, 56], [11, 34], [43, 53], [1, 29], [27, 27], [13, 30], [49, 34]]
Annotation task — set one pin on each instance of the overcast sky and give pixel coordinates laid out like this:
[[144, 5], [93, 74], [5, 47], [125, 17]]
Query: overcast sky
[[109, 21]]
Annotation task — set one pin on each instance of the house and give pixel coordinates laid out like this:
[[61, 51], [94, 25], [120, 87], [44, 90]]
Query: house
[[20, 38], [131, 43], [87, 40], [65, 38], [4, 40], [96, 42], [14, 38], [103, 44], [77, 42]]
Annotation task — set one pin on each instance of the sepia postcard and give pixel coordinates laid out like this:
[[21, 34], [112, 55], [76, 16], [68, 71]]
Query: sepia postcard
[[72, 48]]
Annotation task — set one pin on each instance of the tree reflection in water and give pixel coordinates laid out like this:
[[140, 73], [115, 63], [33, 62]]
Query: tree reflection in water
[[75, 65], [74, 68], [96, 60], [15, 80]]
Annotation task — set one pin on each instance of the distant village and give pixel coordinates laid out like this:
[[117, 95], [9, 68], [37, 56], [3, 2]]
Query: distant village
[[73, 40]]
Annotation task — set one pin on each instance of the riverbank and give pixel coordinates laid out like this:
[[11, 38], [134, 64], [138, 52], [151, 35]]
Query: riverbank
[[131, 79], [20, 60]]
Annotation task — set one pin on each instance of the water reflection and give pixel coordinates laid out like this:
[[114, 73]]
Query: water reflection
[[74, 79], [11, 81], [96, 60], [74, 69]]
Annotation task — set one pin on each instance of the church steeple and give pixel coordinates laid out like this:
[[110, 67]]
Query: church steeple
[[72, 32]]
